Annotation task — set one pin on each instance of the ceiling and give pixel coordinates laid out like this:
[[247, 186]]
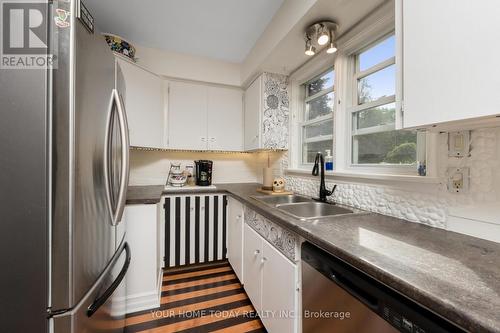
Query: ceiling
[[220, 29], [289, 53]]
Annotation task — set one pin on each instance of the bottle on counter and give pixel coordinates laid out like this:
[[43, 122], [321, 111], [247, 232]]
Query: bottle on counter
[[328, 160]]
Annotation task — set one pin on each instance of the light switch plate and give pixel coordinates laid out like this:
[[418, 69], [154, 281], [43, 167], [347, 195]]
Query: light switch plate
[[458, 180], [459, 144]]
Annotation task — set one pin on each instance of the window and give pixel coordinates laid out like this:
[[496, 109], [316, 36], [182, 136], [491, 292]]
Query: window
[[375, 139], [316, 126]]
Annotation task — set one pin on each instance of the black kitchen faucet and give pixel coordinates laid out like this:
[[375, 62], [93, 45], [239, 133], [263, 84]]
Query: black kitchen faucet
[[323, 192]]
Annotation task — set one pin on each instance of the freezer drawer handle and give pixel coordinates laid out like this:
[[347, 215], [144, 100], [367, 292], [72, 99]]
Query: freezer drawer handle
[[104, 297]]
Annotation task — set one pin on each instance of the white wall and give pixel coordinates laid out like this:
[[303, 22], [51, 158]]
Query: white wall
[[188, 67], [151, 167]]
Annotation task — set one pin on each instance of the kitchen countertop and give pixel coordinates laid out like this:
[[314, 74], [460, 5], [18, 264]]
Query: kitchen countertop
[[454, 275], [144, 195]]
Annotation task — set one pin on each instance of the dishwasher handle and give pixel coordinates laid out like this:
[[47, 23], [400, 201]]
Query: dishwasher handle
[[354, 290]]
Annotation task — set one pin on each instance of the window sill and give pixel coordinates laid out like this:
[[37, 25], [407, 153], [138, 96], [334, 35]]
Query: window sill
[[369, 176]]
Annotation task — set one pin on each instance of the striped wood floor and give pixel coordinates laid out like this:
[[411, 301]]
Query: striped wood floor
[[202, 298]]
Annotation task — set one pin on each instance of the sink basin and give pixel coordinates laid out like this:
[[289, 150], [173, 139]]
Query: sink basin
[[282, 199], [313, 210]]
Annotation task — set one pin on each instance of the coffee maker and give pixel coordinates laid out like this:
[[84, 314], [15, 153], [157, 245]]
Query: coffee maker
[[203, 172]]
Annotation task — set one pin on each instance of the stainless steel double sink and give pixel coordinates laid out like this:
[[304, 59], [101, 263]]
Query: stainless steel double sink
[[303, 208]]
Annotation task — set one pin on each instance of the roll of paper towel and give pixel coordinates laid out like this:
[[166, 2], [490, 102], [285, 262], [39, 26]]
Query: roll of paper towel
[[267, 182]]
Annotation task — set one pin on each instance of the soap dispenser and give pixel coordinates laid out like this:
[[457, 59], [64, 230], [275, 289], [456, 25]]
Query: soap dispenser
[[329, 160]]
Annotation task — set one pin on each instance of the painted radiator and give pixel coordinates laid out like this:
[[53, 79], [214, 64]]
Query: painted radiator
[[195, 229]]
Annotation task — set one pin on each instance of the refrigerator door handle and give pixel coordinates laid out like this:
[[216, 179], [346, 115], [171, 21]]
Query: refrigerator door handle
[[117, 212], [104, 297], [122, 194], [107, 157]]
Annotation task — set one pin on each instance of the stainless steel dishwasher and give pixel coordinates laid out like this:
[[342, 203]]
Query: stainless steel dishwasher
[[339, 298]]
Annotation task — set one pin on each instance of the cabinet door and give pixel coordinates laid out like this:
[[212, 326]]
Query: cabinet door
[[252, 266], [143, 273], [235, 236], [225, 119], [253, 106], [279, 290], [187, 116], [144, 104], [450, 66]]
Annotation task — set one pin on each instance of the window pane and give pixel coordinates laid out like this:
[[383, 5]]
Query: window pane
[[324, 82], [319, 129], [381, 115], [309, 150], [377, 85], [378, 53], [393, 147], [320, 106]]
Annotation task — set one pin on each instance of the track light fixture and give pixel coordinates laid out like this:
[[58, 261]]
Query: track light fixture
[[310, 49], [321, 34], [332, 48]]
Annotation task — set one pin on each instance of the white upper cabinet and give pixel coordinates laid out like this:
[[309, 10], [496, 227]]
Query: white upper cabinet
[[225, 119], [144, 103], [203, 117], [448, 60], [267, 113], [187, 116], [253, 101]]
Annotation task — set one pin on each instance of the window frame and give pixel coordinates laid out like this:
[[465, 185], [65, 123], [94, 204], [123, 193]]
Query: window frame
[[302, 123], [379, 25], [354, 106]]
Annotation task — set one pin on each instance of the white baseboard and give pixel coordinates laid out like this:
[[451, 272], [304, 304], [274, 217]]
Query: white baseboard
[[142, 301]]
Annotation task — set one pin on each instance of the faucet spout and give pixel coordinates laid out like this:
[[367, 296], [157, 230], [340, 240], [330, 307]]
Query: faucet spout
[[319, 168]]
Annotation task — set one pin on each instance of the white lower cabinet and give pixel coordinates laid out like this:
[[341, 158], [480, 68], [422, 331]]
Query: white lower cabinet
[[279, 290], [252, 266], [271, 282], [235, 236], [144, 276]]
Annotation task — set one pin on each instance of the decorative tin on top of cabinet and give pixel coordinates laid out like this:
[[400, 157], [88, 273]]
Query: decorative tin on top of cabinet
[[285, 241], [276, 112]]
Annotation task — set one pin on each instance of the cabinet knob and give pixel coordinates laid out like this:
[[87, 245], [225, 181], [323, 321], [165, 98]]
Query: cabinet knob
[[238, 217], [263, 260], [256, 252]]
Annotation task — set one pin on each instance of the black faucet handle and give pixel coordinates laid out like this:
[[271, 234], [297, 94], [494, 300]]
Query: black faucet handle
[[328, 192]]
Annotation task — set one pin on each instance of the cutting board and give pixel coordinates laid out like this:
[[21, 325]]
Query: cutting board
[[270, 192]]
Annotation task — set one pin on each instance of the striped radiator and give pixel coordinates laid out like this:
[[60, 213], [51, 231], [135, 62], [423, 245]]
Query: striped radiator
[[195, 229]]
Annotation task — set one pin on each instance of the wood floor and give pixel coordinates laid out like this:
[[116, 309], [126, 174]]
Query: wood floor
[[205, 298]]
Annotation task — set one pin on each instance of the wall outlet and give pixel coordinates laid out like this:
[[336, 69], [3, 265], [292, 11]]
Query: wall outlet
[[459, 144], [458, 180]]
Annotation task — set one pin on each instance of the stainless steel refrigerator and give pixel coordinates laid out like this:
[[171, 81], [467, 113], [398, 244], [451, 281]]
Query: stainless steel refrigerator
[[64, 163]]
